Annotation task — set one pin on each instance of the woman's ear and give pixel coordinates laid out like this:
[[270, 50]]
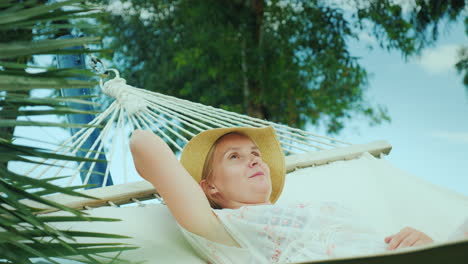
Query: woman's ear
[[211, 193], [208, 188]]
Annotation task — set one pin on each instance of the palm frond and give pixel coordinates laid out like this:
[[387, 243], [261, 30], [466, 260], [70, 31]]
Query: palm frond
[[49, 46], [25, 234]]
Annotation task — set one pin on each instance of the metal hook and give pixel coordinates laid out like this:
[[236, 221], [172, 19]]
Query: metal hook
[[94, 61]]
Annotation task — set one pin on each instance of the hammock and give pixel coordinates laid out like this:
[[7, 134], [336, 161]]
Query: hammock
[[319, 169]]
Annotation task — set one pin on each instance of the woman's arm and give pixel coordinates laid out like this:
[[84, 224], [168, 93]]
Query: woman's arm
[[187, 202]]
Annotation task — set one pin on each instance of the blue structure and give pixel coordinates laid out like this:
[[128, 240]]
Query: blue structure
[[78, 61]]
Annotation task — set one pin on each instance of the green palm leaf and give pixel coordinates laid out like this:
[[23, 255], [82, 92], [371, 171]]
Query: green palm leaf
[[20, 48], [15, 83], [25, 234], [20, 12]]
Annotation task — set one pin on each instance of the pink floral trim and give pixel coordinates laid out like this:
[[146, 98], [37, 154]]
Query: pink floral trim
[[330, 249], [276, 255]]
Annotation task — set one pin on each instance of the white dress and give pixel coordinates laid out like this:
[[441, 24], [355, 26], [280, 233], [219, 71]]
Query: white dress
[[289, 233]]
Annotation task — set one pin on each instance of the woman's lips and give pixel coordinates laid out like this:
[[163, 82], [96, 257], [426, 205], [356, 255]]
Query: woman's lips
[[257, 174]]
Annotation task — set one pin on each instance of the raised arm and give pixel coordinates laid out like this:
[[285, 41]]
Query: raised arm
[[156, 163]]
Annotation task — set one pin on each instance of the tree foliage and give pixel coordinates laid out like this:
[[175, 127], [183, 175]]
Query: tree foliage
[[462, 64], [283, 60]]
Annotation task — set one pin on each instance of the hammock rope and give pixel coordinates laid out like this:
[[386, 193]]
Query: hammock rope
[[77, 140], [175, 120]]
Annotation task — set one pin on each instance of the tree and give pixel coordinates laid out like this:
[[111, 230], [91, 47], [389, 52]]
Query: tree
[[26, 235], [283, 60], [462, 64]]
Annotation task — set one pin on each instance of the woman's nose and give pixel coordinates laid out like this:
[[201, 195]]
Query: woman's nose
[[254, 161]]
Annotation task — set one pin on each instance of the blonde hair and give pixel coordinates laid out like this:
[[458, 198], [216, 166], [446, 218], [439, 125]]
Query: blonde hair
[[207, 173]]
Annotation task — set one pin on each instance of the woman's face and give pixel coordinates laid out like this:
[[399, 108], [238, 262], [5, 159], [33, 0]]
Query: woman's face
[[240, 177]]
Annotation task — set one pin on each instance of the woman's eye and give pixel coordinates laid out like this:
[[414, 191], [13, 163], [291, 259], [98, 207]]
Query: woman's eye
[[256, 153], [233, 156]]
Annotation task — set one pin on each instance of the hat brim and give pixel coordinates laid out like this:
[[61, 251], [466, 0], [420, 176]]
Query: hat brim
[[195, 153]]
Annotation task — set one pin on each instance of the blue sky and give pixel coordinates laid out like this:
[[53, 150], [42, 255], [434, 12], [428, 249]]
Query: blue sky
[[428, 105]]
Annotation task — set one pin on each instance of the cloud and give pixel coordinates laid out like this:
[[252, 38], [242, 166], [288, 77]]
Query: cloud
[[440, 59], [455, 137]]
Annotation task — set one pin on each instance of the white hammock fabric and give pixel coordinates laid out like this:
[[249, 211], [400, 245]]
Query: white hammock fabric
[[371, 186], [374, 181]]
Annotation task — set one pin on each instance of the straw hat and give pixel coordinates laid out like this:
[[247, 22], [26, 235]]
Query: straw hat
[[195, 153]]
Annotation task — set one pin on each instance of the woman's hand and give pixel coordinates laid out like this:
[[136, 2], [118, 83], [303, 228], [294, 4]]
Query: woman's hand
[[407, 237]]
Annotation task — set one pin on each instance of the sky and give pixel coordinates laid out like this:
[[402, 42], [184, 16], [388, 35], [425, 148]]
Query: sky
[[428, 105], [426, 101]]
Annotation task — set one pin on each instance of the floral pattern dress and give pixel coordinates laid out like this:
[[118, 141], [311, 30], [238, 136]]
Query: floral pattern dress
[[289, 233]]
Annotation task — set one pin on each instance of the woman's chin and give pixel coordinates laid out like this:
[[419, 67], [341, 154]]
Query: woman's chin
[[262, 190]]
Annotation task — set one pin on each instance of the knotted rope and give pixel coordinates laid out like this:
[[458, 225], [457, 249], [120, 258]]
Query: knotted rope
[[118, 89]]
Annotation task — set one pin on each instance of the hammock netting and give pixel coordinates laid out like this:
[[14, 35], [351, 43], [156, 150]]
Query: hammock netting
[[175, 120]]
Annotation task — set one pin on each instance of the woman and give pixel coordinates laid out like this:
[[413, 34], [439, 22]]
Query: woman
[[222, 194]]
